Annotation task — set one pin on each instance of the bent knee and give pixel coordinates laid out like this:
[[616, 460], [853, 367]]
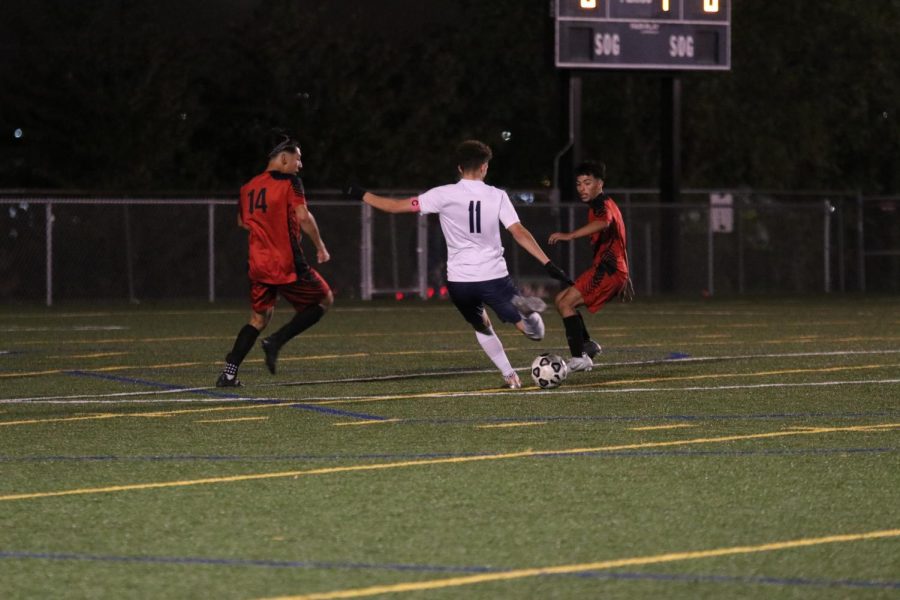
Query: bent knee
[[260, 320], [564, 299], [559, 298]]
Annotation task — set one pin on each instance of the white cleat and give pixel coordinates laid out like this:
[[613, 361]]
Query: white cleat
[[534, 327], [580, 363], [512, 381], [529, 304]]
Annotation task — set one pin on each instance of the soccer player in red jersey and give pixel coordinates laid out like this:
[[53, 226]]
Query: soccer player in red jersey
[[273, 210], [607, 276]]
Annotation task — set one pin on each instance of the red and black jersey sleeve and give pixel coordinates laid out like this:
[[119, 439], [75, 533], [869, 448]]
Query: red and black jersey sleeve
[[297, 188]]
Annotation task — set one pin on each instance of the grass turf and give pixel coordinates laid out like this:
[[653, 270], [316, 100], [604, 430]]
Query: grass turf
[[385, 453]]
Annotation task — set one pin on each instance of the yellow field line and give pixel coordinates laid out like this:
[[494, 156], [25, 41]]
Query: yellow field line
[[370, 422], [204, 364], [158, 413], [658, 427], [92, 355], [62, 419], [502, 425], [438, 461], [110, 368], [636, 561], [103, 369], [732, 375], [232, 420]]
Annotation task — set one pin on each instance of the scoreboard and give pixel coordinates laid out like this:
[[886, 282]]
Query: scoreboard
[[672, 35]]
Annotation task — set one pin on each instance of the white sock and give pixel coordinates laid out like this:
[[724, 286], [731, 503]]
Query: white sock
[[493, 347], [534, 326]]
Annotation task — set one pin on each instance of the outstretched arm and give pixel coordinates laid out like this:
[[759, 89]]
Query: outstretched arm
[[524, 238], [583, 231], [392, 205]]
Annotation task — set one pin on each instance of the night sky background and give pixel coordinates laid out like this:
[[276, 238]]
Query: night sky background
[[179, 96]]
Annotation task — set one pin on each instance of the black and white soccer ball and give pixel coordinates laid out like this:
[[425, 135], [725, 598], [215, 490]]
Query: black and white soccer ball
[[549, 370]]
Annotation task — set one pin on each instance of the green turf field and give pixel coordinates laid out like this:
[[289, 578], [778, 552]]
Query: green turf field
[[720, 449]]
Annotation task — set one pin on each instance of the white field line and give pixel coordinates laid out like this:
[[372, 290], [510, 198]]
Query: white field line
[[114, 395], [590, 390], [320, 400], [631, 363], [657, 361], [96, 397]]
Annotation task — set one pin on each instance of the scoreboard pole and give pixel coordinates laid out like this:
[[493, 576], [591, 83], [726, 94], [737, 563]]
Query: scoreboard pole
[[670, 181]]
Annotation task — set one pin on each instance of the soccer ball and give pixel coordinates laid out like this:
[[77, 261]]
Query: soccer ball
[[549, 371]]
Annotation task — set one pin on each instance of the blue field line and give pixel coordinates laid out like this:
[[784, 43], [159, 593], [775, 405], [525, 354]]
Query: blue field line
[[336, 412], [215, 457], [428, 456], [240, 562], [156, 384], [226, 395], [407, 567]]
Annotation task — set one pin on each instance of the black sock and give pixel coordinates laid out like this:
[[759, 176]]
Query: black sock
[[302, 321], [245, 339], [574, 328], [584, 332]]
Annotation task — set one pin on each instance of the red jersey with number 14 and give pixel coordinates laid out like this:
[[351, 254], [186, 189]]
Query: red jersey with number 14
[[267, 210]]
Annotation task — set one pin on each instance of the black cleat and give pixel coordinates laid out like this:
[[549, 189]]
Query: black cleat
[[223, 381], [271, 352], [591, 348]]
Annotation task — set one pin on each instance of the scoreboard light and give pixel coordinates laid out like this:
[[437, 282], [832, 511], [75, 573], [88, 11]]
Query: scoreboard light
[[673, 35]]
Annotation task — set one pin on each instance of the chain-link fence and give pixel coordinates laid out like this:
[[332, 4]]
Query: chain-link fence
[[55, 248]]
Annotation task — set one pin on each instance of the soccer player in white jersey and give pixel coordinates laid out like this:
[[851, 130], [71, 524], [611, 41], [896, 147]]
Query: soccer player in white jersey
[[471, 213]]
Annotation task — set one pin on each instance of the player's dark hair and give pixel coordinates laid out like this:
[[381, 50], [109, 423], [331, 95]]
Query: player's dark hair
[[594, 168], [282, 141], [471, 154]]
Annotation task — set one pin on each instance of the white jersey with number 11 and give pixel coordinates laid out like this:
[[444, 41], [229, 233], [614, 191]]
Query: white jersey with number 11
[[471, 213]]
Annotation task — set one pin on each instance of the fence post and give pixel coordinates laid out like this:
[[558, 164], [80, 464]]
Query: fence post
[[48, 214], [710, 254], [740, 241], [648, 257], [129, 253], [826, 250], [422, 254], [211, 249], [860, 242], [395, 270], [842, 267], [365, 251]]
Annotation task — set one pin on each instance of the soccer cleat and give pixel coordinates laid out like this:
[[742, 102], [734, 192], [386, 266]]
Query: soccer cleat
[[224, 381], [591, 348], [271, 352], [529, 304], [580, 363], [512, 381], [534, 327]]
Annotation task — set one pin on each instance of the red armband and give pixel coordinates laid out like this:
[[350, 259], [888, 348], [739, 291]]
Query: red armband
[[414, 203]]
